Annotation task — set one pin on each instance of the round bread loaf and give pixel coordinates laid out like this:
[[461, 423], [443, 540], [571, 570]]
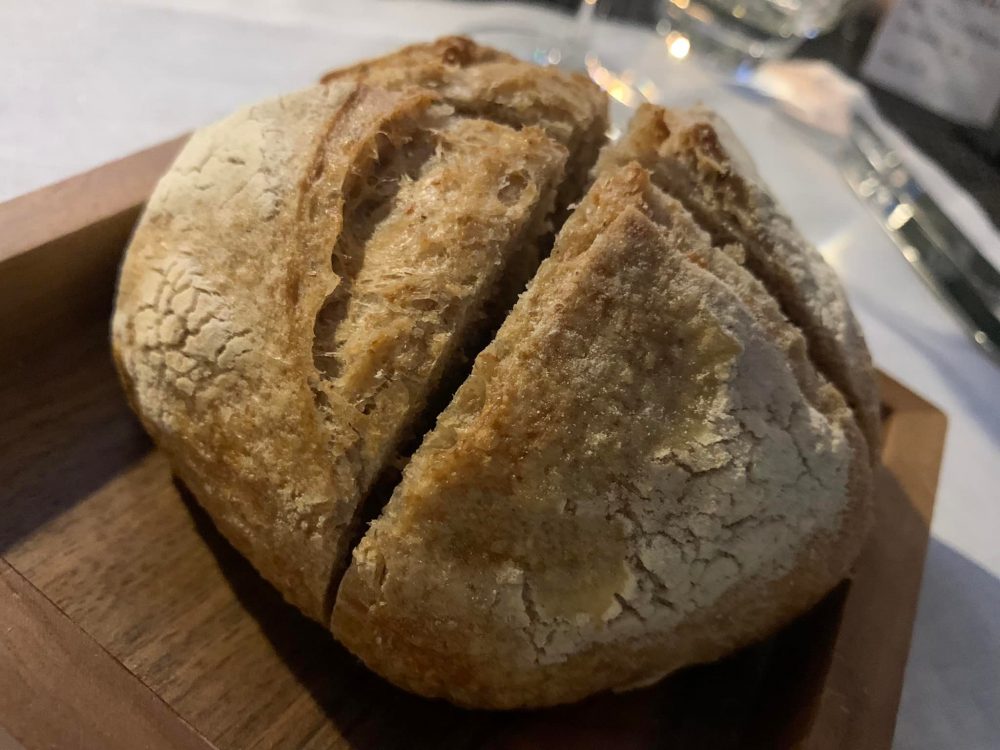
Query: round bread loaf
[[651, 463]]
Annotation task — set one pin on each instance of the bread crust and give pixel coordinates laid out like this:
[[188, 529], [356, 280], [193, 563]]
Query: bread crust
[[628, 435], [230, 311], [694, 155], [483, 82]]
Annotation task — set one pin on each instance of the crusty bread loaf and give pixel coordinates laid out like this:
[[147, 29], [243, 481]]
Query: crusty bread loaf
[[642, 472], [652, 464], [695, 156], [280, 382]]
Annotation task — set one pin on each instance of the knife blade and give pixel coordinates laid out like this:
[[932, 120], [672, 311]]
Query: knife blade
[[943, 257]]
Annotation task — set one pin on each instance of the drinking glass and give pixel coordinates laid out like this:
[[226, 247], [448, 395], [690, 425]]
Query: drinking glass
[[754, 29]]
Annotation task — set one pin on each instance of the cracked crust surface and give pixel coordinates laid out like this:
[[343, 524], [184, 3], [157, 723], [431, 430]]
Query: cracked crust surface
[[694, 155], [634, 478], [299, 282]]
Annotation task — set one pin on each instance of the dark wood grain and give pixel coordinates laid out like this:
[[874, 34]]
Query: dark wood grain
[[862, 686], [67, 398], [91, 517], [141, 569], [49, 665]]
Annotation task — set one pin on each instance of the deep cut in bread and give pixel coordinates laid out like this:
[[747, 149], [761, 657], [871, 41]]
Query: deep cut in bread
[[634, 478], [696, 157], [300, 281]]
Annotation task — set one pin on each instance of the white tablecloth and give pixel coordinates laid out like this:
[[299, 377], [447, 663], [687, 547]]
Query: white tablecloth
[[85, 82]]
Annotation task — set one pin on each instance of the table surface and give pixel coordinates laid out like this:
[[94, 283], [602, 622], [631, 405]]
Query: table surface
[[86, 82]]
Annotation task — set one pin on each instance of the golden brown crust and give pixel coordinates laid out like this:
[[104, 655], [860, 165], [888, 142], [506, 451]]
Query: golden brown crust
[[694, 156], [195, 346], [452, 51], [483, 82], [648, 462], [618, 188], [277, 382]]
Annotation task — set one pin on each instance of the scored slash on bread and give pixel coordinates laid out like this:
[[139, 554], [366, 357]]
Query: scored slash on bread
[[302, 279], [653, 462], [414, 274], [695, 156], [643, 471]]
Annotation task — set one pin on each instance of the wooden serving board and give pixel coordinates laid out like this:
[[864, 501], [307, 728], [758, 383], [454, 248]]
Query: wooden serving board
[[127, 621]]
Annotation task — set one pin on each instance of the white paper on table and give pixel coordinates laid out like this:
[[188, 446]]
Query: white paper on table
[[943, 54]]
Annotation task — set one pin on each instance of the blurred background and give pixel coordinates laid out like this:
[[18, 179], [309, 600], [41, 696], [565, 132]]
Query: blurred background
[[843, 33]]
